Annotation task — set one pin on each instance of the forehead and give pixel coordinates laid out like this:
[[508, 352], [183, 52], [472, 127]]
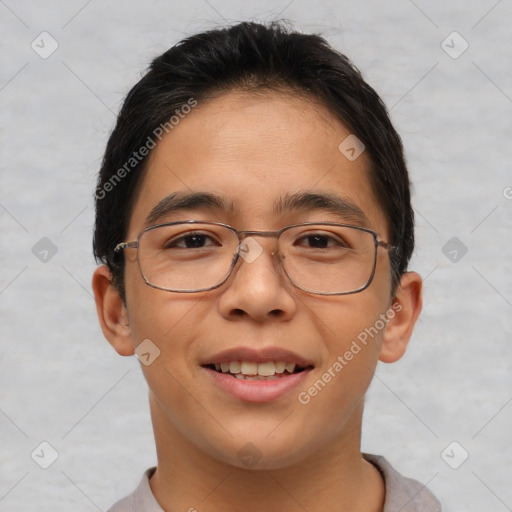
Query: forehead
[[255, 150]]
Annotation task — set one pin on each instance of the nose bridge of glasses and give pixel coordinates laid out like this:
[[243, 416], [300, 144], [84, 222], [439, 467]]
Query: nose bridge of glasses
[[243, 237]]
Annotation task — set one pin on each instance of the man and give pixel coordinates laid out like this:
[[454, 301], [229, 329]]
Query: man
[[254, 221]]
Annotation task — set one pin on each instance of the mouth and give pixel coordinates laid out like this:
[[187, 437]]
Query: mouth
[[251, 370], [257, 375]]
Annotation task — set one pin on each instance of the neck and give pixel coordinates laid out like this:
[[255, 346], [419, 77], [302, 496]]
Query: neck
[[335, 477]]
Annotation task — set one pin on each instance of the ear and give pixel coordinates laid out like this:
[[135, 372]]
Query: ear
[[402, 316], [112, 312]]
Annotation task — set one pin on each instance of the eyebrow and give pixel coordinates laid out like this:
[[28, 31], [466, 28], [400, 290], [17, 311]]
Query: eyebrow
[[346, 210], [331, 203], [179, 201]]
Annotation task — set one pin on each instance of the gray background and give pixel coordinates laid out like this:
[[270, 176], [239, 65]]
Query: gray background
[[60, 380]]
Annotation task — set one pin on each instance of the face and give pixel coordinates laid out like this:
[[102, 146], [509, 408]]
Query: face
[[252, 151]]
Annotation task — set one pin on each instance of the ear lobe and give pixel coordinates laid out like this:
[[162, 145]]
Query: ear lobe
[[402, 316], [112, 312]]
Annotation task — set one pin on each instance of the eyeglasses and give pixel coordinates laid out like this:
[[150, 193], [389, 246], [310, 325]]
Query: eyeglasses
[[193, 256]]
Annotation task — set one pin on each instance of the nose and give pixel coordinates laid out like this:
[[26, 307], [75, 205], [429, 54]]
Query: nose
[[257, 289]]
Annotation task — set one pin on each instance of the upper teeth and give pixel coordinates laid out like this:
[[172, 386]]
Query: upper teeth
[[266, 369]]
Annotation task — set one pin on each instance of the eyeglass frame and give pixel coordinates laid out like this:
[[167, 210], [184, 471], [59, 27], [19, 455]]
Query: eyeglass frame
[[242, 235]]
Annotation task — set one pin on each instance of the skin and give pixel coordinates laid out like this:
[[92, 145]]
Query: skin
[[253, 148]]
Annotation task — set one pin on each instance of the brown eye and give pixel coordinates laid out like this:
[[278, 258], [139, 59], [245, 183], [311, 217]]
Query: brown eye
[[191, 241], [320, 241]]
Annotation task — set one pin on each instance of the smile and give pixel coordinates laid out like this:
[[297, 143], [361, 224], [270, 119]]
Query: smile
[[250, 370], [261, 375]]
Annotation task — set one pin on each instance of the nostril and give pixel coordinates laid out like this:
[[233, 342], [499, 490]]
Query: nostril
[[275, 313]]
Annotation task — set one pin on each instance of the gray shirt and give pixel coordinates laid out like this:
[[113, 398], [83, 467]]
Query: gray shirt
[[402, 494]]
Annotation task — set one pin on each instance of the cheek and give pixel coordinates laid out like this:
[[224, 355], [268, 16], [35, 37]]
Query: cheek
[[167, 319], [170, 323], [352, 330], [345, 320], [152, 312]]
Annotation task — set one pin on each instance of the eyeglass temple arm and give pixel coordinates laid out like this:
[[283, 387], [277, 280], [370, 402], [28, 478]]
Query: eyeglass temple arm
[[386, 245], [125, 245]]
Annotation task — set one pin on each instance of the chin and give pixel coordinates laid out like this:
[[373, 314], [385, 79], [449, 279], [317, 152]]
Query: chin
[[257, 453]]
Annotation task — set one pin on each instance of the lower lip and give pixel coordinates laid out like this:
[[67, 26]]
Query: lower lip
[[257, 390]]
